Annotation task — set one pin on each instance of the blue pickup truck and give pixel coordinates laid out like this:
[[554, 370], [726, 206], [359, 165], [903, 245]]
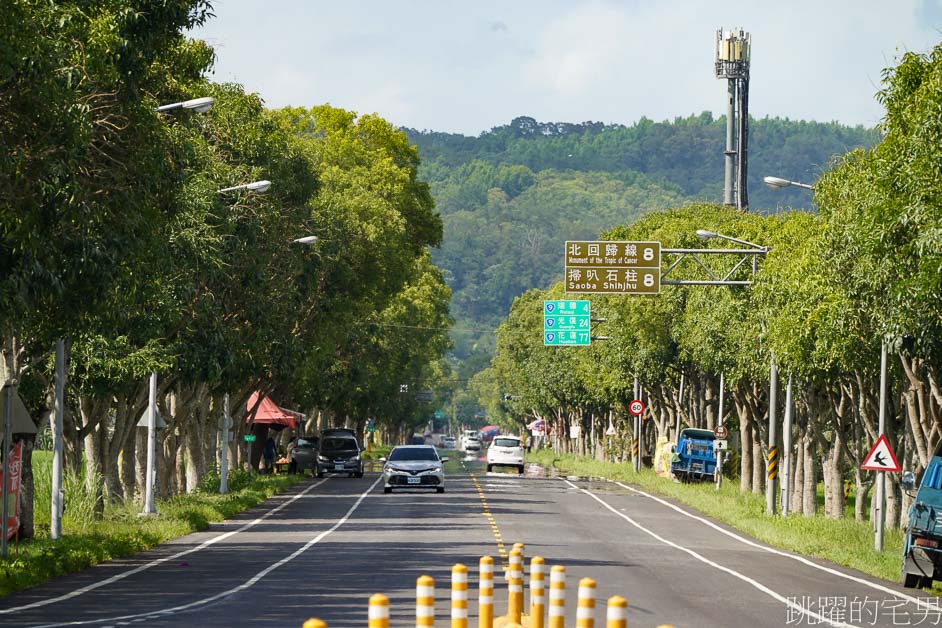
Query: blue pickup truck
[[694, 458], [922, 543]]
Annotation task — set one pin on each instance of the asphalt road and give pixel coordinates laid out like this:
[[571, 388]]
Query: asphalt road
[[324, 548]]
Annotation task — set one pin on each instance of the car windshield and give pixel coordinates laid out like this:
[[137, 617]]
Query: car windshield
[[333, 444], [507, 442], [413, 453], [302, 442]]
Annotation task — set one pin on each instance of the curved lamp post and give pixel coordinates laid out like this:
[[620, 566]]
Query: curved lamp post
[[256, 186], [200, 105], [305, 240], [777, 183]]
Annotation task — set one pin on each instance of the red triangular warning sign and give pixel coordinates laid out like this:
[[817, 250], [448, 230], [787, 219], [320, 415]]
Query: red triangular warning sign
[[881, 457]]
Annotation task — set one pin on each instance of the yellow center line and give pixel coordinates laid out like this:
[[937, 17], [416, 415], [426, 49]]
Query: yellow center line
[[490, 519]]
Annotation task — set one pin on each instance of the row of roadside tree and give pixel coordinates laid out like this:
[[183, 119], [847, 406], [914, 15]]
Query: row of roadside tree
[[865, 270], [114, 237]]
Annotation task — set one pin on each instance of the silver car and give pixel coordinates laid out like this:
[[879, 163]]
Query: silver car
[[414, 466]]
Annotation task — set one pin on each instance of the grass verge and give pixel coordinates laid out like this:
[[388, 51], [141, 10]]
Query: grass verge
[[844, 541], [86, 541]]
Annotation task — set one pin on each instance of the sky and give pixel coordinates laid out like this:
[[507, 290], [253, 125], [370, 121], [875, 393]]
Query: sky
[[468, 66]]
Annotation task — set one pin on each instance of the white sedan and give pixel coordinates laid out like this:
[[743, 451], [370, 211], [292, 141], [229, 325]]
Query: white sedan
[[414, 466], [505, 451]]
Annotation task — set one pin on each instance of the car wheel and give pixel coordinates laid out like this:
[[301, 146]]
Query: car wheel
[[353, 475], [489, 467], [359, 474], [520, 470], [440, 489], [387, 489], [320, 474]]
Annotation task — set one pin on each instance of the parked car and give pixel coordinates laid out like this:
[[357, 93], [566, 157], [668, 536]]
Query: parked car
[[414, 466], [505, 451], [472, 443], [448, 442], [339, 452], [465, 435], [303, 456], [922, 543]]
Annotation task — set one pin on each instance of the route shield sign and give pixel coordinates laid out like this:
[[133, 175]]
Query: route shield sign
[[613, 267], [567, 323]]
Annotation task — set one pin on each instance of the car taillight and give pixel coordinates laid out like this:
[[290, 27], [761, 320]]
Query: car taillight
[[926, 542]]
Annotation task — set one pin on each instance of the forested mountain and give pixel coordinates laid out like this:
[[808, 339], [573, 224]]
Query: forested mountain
[[510, 197]]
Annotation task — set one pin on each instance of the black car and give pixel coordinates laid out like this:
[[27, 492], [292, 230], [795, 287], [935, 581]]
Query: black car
[[339, 452]]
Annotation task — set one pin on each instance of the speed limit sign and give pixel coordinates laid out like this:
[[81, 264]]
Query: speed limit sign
[[636, 407]]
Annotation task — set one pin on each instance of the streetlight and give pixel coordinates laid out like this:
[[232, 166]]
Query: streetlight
[[703, 234], [256, 186], [777, 183], [200, 105], [305, 240]]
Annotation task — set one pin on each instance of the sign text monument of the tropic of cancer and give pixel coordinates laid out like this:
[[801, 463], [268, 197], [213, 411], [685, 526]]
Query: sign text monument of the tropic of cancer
[[613, 267]]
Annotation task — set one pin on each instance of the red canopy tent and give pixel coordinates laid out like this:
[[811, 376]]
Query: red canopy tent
[[270, 414]]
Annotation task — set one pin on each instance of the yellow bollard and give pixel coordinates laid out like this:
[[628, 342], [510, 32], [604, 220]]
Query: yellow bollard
[[314, 622], [486, 592], [515, 587], [557, 597], [537, 591], [617, 616], [585, 611], [424, 602], [379, 611], [459, 596]]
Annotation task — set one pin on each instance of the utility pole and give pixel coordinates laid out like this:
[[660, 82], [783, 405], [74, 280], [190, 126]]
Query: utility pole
[[149, 507], [55, 527], [224, 457], [719, 421], [787, 447], [881, 475], [772, 469], [733, 49]]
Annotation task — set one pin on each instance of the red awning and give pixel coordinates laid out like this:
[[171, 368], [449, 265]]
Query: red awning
[[269, 413]]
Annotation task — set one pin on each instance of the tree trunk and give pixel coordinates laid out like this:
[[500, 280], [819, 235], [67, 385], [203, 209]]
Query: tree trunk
[[809, 497], [745, 460]]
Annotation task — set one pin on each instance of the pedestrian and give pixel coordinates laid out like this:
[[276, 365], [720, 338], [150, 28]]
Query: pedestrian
[[528, 442], [269, 455]]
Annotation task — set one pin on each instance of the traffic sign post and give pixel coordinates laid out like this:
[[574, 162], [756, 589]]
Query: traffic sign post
[[881, 457], [720, 432], [567, 323], [636, 407], [613, 267]]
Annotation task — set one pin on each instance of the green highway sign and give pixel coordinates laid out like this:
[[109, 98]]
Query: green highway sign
[[567, 338], [439, 414], [613, 267], [567, 323], [249, 438]]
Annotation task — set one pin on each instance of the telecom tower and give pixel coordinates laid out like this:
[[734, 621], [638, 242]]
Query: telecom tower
[[732, 63]]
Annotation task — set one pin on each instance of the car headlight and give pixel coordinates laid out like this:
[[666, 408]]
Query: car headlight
[[356, 458], [321, 458], [437, 470]]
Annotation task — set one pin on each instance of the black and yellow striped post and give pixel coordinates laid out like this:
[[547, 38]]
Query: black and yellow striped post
[[771, 473]]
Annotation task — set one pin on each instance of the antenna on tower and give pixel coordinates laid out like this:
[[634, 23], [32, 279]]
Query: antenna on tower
[[733, 49]]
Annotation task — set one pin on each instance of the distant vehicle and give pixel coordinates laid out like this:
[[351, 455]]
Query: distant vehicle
[[339, 431], [303, 456], [414, 466], [339, 452], [472, 443], [467, 435], [694, 458], [922, 543], [505, 451], [448, 442]]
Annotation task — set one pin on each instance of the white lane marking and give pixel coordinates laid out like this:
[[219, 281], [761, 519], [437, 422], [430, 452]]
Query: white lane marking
[[154, 563], [801, 559], [158, 614], [758, 585]]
